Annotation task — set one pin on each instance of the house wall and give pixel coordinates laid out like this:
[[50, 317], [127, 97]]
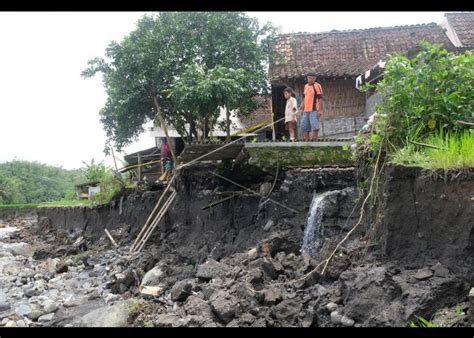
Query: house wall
[[344, 108]]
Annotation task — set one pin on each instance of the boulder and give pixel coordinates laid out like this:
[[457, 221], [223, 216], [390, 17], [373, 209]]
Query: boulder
[[181, 291], [223, 305], [212, 269]]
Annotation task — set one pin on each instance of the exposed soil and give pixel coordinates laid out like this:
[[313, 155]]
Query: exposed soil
[[239, 263]]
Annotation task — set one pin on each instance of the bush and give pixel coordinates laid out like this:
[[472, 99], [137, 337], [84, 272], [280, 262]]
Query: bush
[[430, 92]]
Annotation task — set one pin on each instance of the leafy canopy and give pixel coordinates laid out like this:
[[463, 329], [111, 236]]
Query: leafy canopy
[[170, 49]]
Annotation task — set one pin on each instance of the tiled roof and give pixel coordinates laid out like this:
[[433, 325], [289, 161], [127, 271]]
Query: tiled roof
[[463, 25], [347, 53]]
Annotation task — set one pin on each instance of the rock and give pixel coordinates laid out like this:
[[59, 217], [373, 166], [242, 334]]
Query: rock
[[346, 321], [261, 322], [212, 269], [50, 306], [108, 316], [51, 265], [336, 318], [19, 249], [111, 298], [21, 323], [22, 309], [272, 296], [331, 307], [33, 292], [287, 311], [439, 270], [11, 323], [35, 314], [198, 307], [4, 321], [181, 291], [269, 225], [252, 254], [166, 320], [265, 188], [71, 301], [4, 306], [255, 278], [61, 267], [152, 277], [269, 266], [10, 267], [223, 305], [423, 274], [46, 318]]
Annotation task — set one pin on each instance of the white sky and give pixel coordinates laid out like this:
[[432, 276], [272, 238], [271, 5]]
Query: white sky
[[50, 114]]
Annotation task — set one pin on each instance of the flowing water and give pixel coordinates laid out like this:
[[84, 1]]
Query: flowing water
[[313, 232]]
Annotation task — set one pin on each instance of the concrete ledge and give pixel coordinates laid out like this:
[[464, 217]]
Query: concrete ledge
[[298, 144], [294, 155]]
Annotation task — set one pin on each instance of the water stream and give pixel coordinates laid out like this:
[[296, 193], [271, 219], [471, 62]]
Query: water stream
[[313, 232]]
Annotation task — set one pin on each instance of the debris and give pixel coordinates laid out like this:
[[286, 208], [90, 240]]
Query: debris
[[423, 274], [110, 237], [151, 290]]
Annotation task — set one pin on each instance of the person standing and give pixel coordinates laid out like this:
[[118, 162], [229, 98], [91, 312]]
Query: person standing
[[291, 112], [311, 108]]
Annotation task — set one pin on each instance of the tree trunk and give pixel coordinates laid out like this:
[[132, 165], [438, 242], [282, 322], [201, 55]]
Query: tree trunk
[[227, 121], [157, 106]]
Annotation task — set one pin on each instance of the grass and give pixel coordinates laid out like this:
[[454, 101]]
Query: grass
[[422, 322], [60, 203], [19, 206], [65, 203], [453, 151]]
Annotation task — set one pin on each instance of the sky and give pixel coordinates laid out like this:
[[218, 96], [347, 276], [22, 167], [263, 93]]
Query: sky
[[50, 114]]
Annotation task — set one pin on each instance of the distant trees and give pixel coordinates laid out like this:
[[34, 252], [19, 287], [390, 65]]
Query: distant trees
[[33, 182], [182, 65]]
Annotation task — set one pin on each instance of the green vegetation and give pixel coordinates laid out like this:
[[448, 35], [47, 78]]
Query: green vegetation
[[142, 74], [423, 120], [440, 151], [422, 322], [19, 206], [26, 184], [23, 182]]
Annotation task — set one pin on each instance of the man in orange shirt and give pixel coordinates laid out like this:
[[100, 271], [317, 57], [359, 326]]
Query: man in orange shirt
[[311, 107]]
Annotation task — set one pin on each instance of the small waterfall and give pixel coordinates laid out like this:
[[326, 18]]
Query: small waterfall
[[313, 231]]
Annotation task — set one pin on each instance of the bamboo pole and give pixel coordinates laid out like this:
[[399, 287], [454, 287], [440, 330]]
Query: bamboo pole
[[145, 226], [110, 237], [253, 192], [156, 221]]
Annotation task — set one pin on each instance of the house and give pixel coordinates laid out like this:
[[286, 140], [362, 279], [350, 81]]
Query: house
[[459, 28], [338, 57], [87, 190], [239, 126]]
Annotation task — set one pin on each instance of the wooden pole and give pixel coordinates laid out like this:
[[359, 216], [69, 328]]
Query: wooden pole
[[156, 222], [145, 226], [113, 156], [139, 166], [157, 106], [110, 237]]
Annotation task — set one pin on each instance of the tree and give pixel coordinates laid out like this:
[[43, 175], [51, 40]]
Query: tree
[[158, 53], [33, 182], [94, 172], [199, 95]]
